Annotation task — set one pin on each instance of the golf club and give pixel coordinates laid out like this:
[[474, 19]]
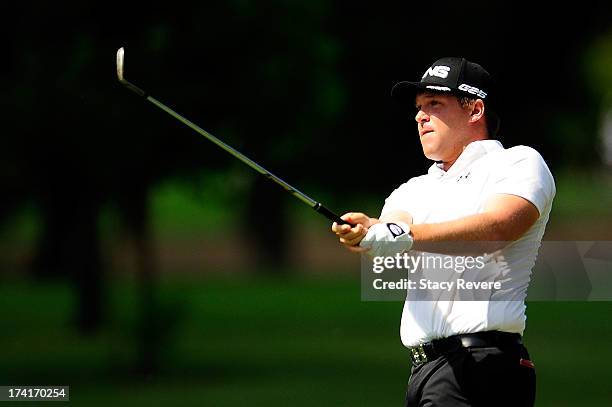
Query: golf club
[[296, 193]]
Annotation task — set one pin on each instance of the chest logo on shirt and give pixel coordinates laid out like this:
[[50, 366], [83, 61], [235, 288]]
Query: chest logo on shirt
[[464, 178]]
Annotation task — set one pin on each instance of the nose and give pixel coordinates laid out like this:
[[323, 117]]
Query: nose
[[421, 117]]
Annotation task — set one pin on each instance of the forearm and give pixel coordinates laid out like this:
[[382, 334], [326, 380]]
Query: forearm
[[469, 235], [505, 219]]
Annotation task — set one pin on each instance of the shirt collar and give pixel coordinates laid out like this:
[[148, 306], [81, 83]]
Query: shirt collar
[[471, 153]]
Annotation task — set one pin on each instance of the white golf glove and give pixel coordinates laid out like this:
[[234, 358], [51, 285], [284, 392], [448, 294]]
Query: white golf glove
[[387, 239]]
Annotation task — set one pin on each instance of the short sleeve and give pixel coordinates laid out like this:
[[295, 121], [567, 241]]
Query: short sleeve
[[400, 199], [523, 172]]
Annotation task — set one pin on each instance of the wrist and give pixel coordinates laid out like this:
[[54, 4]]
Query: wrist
[[387, 239]]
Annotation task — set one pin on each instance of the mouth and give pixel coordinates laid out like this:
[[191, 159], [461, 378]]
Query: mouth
[[424, 132]]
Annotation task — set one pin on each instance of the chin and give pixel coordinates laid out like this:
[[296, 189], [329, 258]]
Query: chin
[[430, 153], [433, 157]]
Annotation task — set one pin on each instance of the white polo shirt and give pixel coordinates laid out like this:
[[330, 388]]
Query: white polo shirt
[[484, 168]]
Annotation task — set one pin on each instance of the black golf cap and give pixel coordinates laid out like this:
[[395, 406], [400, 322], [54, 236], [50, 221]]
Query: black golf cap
[[451, 74], [456, 76]]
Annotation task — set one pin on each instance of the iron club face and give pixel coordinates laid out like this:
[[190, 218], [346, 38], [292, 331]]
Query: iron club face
[[120, 57], [124, 82]]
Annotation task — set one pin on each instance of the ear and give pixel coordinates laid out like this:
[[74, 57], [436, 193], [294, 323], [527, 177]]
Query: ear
[[478, 110]]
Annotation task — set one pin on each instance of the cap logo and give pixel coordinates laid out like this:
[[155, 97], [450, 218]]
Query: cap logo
[[474, 91], [441, 88], [441, 71]]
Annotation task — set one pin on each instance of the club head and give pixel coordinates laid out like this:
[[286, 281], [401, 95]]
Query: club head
[[122, 80], [120, 58]]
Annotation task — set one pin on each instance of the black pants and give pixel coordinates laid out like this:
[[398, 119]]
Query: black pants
[[474, 377]]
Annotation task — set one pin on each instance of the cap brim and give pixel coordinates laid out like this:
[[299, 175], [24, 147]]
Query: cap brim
[[405, 92]]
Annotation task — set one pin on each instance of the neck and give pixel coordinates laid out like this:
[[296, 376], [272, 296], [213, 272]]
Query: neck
[[445, 165]]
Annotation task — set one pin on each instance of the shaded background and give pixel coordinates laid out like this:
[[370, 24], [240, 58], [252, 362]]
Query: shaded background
[[140, 264]]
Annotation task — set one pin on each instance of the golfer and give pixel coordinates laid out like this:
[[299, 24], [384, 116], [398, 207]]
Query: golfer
[[464, 353]]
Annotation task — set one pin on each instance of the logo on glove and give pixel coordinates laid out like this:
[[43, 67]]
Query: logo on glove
[[395, 230]]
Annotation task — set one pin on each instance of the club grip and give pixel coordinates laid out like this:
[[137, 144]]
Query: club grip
[[330, 215]]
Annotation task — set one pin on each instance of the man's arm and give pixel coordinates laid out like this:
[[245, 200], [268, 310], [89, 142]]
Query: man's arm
[[506, 218]]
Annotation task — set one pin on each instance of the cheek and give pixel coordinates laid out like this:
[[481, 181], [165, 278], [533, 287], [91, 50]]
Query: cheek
[[441, 124]]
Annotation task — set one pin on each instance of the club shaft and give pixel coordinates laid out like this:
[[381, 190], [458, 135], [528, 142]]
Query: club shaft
[[293, 191], [301, 196]]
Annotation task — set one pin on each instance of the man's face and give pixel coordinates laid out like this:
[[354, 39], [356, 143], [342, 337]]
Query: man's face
[[443, 126]]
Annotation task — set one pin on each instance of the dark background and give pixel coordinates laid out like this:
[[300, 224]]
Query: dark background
[[129, 242]]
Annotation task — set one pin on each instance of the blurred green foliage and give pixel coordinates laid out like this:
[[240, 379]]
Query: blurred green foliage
[[305, 341], [211, 206], [299, 87], [582, 195], [597, 67]]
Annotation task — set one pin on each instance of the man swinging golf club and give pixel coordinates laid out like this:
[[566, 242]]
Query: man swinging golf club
[[496, 199]]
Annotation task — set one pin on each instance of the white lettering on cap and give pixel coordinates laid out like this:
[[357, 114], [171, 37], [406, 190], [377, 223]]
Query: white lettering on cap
[[473, 90], [441, 71], [442, 88]]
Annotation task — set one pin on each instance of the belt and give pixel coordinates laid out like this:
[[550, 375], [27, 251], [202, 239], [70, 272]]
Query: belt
[[429, 351]]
